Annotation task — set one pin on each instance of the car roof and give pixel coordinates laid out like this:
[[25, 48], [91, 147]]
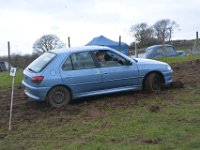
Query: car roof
[[155, 46], [81, 48]]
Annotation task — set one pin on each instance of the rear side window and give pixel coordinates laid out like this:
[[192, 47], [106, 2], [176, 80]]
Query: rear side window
[[41, 62], [77, 61]]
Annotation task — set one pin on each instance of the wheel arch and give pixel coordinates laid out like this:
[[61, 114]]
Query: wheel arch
[[156, 72]]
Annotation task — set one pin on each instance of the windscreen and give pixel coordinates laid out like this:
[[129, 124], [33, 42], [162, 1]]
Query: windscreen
[[41, 62]]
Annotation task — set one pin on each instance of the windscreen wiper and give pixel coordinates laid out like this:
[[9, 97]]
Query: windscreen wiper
[[32, 70]]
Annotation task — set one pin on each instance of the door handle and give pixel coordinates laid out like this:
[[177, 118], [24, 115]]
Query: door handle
[[97, 72]]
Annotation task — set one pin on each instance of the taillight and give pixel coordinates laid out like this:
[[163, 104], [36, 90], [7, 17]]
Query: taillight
[[37, 79]]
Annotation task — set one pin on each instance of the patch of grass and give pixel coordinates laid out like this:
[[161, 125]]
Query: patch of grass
[[6, 79], [178, 59]]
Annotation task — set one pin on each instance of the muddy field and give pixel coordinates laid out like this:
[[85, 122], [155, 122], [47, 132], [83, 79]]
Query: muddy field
[[187, 73]]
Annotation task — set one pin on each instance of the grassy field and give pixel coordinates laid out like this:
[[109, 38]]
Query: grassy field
[[6, 79], [173, 125], [179, 59]]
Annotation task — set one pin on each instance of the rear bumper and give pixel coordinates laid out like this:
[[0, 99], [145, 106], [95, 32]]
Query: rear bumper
[[35, 93]]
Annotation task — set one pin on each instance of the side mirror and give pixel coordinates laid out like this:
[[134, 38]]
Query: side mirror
[[128, 62]]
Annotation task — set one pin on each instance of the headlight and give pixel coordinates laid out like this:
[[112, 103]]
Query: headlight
[[169, 68]]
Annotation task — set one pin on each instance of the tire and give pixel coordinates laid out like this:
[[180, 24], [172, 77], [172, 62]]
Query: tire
[[153, 82], [59, 96]]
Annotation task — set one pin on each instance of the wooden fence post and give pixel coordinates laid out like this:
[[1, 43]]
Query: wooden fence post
[[197, 40], [69, 44]]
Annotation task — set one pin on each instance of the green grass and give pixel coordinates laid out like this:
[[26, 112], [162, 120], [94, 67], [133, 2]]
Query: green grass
[[6, 79], [179, 59]]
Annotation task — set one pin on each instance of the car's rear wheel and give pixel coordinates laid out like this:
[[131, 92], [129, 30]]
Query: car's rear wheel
[[59, 96], [153, 82]]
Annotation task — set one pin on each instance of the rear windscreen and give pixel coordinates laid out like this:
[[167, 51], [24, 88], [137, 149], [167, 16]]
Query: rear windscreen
[[41, 62]]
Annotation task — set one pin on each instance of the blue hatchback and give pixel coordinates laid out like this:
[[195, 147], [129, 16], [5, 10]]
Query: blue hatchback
[[62, 75]]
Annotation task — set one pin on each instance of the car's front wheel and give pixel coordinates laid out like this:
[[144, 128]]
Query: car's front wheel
[[153, 82], [59, 96]]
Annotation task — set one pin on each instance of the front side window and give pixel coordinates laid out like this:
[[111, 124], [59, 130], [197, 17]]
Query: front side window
[[108, 58], [41, 62], [170, 50], [77, 61], [159, 51]]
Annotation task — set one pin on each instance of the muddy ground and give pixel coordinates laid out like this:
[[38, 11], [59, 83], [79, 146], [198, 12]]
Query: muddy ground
[[187, 73]]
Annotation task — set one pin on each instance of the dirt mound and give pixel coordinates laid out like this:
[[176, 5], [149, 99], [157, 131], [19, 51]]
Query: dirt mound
[[188, 72], [185, 74]]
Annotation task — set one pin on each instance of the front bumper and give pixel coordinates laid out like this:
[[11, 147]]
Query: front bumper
[[168, 76]]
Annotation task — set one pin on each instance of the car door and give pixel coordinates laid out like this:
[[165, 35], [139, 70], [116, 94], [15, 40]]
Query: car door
[[116, 72], [79, 72]]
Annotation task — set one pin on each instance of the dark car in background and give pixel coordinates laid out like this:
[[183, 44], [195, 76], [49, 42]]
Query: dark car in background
[[4, 66], [157, 51]]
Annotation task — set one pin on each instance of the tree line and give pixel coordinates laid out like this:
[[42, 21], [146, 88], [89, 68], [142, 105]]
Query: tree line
[[158, 33]]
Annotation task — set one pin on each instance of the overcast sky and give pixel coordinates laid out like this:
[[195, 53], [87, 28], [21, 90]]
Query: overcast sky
[[22, 22]]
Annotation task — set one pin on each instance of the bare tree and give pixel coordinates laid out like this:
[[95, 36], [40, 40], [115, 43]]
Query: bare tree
[[47, 43], [143, 33], [164, 29]]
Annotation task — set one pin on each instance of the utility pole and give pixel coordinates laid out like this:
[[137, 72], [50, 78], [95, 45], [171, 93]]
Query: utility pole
[[170, 34]]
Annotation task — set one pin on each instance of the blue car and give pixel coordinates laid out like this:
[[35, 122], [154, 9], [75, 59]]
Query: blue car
[[157, 51], [62, 75]]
